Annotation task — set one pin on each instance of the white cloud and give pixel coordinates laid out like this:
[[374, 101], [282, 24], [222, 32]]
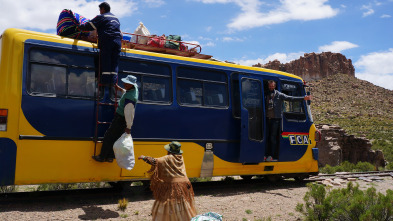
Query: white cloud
[[251, 15], [209, 44], [337, 46], [385, 16], [376, 68], [282, 57], [368, 10], [204, 38], [43, 14], [154, 3], [231, 39]]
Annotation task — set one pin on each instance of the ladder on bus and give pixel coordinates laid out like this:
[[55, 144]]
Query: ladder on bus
[[99, 104]]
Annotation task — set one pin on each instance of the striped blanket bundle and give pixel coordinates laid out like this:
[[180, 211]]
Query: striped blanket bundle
[[68, 22]]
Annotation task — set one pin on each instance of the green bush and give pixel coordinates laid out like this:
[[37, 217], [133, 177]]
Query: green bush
[[349, 203], [348, 167]]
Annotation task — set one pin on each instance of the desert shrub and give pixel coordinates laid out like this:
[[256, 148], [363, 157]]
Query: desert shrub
[[349, 203], [122, 204], [364, 167], [348, 167]]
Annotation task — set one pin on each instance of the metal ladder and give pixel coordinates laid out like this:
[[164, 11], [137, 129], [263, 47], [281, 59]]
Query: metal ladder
[[99, 104]]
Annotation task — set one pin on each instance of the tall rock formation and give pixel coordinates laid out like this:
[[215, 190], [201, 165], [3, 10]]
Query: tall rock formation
[[314, 66]]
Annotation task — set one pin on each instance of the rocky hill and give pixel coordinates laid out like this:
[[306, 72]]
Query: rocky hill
[[359, 107], [314, 66]]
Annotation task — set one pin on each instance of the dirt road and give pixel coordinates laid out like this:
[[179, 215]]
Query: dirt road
[[254, 201]]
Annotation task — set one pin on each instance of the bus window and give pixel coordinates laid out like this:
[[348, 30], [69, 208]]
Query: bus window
[[215, 94], [60, 73], [61, 58], [190, 92], [154, 80], [252, 101], [156, 89], [81, 82], [293, 110], [199, 87], [47, 79]]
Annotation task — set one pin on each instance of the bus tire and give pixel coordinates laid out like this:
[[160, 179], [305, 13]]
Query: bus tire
[[246, 177], [120, 185], [274, 178], [300, 178]]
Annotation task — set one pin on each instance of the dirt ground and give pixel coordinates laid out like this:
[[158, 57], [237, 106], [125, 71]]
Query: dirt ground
[[255, 201]]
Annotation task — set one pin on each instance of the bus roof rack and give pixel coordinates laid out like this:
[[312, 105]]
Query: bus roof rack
[[159, 44]]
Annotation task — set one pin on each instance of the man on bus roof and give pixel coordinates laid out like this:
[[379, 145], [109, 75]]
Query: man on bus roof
[[109, 43], [274, 100]]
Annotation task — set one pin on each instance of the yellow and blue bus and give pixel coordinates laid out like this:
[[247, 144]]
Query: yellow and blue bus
[[215, 109]]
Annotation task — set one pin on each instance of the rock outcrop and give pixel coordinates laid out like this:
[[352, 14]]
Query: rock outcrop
[[314, 66], [337, 146]]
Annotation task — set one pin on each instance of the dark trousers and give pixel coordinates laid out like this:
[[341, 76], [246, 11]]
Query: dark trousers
[[273, 130], [109, 60], [114, 132]]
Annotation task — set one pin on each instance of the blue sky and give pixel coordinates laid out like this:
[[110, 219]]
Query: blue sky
[[244, 31]]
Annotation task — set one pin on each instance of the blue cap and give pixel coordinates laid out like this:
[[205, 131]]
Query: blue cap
[[130, 79]]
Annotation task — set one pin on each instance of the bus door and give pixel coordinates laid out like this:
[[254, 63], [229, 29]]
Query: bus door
[[294, 138], [252, 144]]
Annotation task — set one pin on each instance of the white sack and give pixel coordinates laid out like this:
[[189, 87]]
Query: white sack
[[124, 151], [140, 30]]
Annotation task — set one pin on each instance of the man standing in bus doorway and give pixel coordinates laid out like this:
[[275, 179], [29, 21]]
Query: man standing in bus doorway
[[109, 43], [122, 121], [274, 101], [172, 190]]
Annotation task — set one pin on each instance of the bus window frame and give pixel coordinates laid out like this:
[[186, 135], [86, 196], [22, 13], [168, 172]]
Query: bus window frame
[[299, 87], [141, 74], [233, 91], [263, 121], [59, 50], [203, 90]]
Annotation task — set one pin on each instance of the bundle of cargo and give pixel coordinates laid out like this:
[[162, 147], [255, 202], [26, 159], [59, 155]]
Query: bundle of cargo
[[141, 39], [67, 26], [170, 44]]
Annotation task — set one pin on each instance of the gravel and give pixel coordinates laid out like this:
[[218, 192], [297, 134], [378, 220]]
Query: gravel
[[255, 201]]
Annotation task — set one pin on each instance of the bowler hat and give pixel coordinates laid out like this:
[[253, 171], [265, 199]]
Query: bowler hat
[[130, 79], [174, 147]]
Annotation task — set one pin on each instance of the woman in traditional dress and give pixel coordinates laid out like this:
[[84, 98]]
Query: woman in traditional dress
[[172, 190]]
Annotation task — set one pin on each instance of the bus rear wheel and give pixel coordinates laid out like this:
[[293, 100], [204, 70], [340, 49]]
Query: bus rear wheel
[[246, 177], [120, 185], [274, 178]]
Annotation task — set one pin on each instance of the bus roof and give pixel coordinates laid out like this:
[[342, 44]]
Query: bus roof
[[26, 34]]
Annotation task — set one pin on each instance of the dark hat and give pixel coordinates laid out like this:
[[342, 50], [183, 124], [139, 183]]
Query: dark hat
[[174, 147], [105, 6]]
